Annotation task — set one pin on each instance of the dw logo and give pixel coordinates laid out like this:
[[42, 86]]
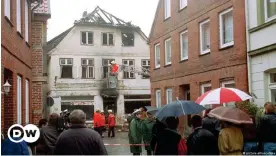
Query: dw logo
[[30, 133]]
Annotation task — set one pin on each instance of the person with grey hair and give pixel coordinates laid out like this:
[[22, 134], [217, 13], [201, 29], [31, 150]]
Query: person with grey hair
[[78, 139]]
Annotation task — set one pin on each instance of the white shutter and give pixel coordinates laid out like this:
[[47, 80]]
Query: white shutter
[[26, 21], [19, 100], [18, 15], [27, 102], [8, 9]]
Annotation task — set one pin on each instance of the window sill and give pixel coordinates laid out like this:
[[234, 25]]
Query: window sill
[[20, 35], [181, 9], [88, 78], [183, 60], [166, 19], [156, 68], [128, 46], [66, 78], [129, 78], [204, 53], [87, 44], [108, 45], [9, 21], [227, 45], [167, 65], [264, 25]]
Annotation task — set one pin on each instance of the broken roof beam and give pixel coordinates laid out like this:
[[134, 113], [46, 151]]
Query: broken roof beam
[[100, 18], [110, 19], [118, 19]]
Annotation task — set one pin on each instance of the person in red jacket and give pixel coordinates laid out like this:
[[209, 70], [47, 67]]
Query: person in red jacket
[[111, 124], [102, 123], [97, 119]]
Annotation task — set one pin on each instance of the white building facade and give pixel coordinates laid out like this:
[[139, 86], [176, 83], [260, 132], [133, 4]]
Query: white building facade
[[261, 45], [78, 66]]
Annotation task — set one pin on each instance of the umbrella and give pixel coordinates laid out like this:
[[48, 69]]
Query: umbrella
[[222, 95], [179, 108], [233, 115], [152, 110]]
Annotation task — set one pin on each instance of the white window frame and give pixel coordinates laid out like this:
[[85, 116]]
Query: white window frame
[[169, 90], [27, 101], [166, 53], [129, 77], [223, 83], [167, 9], [106, 66], [155, 55], [108, 44], [183, 4], [7, 8], [66, 61], [26, 21], [181, 46], [86, 35], [221, 26], [146, 66], [158, 98], [203, 86], [19, 99], [271, 86], [267, 19], [202, 52], [18, 16], [87, 69]]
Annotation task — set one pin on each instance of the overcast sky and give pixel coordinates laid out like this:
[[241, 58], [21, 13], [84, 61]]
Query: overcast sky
[[65, 12]]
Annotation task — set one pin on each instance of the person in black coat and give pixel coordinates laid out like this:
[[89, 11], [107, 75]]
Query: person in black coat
[[201, 141], [78, 139], [267, 129], [211, 124], [157, 131]]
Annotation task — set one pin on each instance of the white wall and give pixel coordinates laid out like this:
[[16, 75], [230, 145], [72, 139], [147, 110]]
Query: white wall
[[259, 65], [70, 47], [252, 13]]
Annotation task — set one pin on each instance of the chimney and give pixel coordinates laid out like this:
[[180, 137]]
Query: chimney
[[84, 14]]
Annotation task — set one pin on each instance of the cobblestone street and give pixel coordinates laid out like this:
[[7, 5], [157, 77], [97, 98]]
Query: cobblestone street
[[121, 138]]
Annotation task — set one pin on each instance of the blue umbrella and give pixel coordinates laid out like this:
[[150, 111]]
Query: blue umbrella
[[152, 110], [179, 108]]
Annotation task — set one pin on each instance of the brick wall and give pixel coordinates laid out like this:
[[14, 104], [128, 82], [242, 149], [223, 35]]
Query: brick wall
[[38, 40], [16, 57]]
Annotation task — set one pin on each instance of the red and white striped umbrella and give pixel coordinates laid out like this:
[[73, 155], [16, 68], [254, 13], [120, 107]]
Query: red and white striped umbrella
[[222, 95]]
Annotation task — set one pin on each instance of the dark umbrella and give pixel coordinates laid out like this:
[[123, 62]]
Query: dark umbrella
[[179, 108]]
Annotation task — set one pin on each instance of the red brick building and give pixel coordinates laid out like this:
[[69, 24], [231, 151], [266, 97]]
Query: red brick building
[[16, 61], [195, 46]]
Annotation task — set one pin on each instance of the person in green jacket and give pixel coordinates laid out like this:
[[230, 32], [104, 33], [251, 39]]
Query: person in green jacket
[[135, 134], [148, 125]]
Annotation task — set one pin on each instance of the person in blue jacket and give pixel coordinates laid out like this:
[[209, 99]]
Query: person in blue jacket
[[10, 148]]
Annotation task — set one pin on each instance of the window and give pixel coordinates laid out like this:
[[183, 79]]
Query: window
[[87, 68], [26, 21], [18, 15], [127, 39], [205, 37], [270, 9], [66, 65], [205, 88], [107, 39], [86, 38], [167, 7], [128, 75], [182, 4], [228, 84], [158, 98], [7, 4], [106, 67], [272, 87], [226, 28], [157, 55], [19, 100], [168, 95], [27, 101], [184, 45], [146, 66], [168, 52]]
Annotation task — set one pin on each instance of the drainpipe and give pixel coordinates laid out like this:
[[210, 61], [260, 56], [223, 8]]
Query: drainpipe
[[248, 47]]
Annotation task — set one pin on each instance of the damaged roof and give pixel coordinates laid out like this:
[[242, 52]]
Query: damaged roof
[[41, 7]]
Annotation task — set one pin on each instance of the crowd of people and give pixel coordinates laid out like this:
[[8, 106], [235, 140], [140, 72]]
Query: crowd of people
[[100, 122], [209, 137]]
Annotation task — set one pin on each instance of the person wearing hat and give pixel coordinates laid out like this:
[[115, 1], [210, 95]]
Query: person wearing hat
[[102, 122], [97, 123], [136, 132], [111, 124], [148, 123]]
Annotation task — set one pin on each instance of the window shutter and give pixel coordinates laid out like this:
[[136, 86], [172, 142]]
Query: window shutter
[[8, 8], [26, 21], [90, 72], [18, 15]]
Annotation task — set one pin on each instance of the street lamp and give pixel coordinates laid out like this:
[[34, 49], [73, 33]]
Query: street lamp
[[7, 87]]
